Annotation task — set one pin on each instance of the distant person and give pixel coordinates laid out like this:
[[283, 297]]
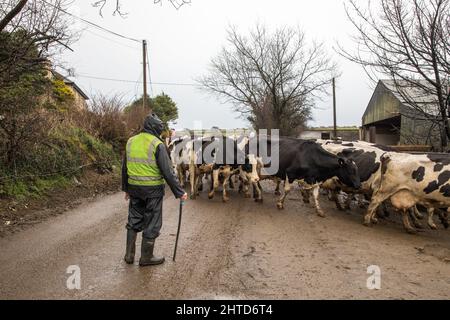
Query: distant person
[[146, 167]]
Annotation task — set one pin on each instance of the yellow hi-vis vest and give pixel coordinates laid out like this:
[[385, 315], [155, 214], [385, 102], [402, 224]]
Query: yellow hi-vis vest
[[141, 161]]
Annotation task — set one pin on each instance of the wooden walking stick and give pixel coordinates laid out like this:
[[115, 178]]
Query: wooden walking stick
[[179, 228]]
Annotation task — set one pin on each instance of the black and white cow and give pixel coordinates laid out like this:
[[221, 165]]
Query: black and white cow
[[231, 159], [201, 163], [309, 162], [366, 157], [410, 179], [187, 157], [250, 170], [179, 152]]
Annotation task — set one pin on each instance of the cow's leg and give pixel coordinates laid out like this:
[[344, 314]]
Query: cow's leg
[[316, 193], [257, 192], [226, 181], [184, 175], [335, 198], [231, 182], [180, 177], [242, 185], [385, 210], [414, 218], [287, 189], [443, 217], [430, 220], [180, 171], [417, 213], [305, 194], [348, 201], [198, 183], [377, 199], [214, 183], [193, 180], [246, 189], [211, 183], [277, 189], [331, 195], [360, 199], [406, 223]]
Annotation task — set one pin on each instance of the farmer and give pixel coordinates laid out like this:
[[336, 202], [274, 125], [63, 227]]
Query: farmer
[[146, 167]]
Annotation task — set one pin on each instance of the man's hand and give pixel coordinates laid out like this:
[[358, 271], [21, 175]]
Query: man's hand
[[184, 197], [127, 196]]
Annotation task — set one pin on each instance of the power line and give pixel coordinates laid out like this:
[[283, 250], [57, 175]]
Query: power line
[[92, 23], [132, 81], [109, 39]]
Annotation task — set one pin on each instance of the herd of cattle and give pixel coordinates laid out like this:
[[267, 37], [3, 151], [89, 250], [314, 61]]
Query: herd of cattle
[[410, 183]]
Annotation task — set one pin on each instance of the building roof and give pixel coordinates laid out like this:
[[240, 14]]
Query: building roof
[[77, 88], [407, 93], [403, 96], [71, 84]]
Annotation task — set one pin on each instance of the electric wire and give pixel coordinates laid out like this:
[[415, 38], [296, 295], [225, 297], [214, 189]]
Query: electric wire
[[91, 23]]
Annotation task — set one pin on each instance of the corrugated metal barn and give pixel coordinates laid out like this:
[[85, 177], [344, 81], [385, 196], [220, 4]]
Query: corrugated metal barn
[[390, 120]]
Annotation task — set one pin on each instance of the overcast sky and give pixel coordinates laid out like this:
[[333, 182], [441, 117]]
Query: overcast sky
[[181, 44]]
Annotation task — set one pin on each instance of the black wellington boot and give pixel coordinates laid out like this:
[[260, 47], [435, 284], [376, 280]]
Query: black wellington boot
[[147, 257], [131, 246]]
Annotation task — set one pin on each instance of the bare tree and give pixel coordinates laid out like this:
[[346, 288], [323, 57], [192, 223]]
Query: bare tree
[[9, 15], [271, 75], [32, 31], [105, 119], [177, 4], [408, 42]]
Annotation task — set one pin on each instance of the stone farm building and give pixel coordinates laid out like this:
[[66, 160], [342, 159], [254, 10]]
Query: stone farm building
[[80, 98]]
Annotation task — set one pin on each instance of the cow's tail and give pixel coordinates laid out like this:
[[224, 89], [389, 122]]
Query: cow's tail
[[192, 171]]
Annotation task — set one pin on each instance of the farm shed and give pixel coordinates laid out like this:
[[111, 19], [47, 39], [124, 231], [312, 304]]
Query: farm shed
[[391, 119]]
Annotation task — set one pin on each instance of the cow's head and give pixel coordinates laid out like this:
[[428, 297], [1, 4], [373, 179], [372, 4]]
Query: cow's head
[[249, 170], [348, 173]]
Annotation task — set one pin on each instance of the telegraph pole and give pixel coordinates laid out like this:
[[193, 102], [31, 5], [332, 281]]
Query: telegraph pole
[[334, 110], [144, 65]]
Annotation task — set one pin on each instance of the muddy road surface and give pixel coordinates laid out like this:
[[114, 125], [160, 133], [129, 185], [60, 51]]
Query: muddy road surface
[[241, 250]]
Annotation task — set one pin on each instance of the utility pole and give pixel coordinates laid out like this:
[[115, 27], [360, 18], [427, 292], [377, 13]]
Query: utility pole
[[144, 65], [334, 110]]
